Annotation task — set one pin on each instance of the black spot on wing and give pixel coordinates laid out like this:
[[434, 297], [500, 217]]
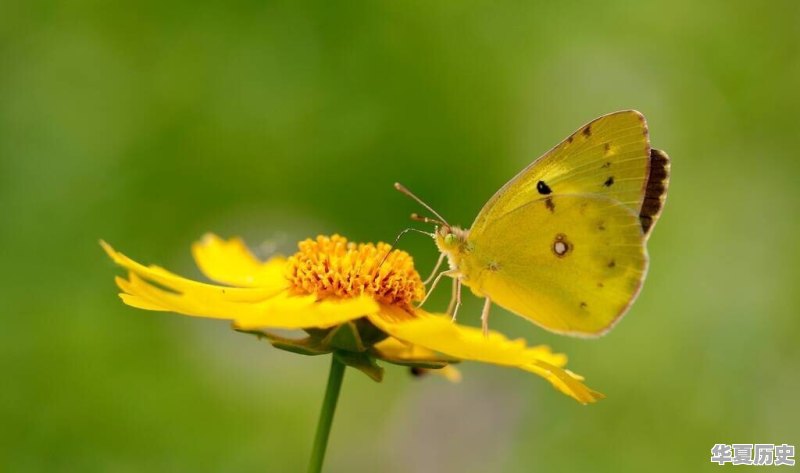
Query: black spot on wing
[[543, 188], [612, 263], [609, 182], [587, 131]]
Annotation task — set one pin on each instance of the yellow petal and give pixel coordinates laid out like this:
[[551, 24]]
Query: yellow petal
[[565, 381], [440, 334], [138, 302], [279, 311], [231, 262], [395, 349], [449, 372], [197, 290], [294, 312]]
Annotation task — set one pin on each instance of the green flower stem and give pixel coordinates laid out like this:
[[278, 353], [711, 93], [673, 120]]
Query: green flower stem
[[326, 415]]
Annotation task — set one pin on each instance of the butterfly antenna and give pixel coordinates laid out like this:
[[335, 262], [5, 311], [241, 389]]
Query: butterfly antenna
[[391, 248], [421, 218], [404, 190]]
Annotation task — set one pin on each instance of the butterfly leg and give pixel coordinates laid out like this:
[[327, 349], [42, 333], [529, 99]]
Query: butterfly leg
[[435, 282], [435, 268], [456, 302], [452, 306], [485, 317]]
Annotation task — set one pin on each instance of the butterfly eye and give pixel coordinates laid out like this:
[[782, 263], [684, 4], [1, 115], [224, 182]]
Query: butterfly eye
[[449, 239]]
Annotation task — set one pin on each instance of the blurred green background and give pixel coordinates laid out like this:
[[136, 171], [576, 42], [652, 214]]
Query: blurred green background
[[148, 124]]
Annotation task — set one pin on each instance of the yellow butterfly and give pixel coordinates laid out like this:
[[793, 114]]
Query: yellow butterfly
[[562, 244]]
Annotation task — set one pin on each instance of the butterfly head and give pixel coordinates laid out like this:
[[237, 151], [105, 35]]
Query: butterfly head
[[450, 239]]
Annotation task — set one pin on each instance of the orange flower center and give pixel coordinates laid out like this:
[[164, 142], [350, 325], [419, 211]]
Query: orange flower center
[[334, 267]]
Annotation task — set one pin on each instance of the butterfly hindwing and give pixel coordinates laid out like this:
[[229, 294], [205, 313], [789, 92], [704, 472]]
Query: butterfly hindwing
[[570, 263]]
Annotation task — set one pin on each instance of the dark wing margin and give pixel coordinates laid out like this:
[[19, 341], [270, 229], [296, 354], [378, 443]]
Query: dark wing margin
[[656, 190]]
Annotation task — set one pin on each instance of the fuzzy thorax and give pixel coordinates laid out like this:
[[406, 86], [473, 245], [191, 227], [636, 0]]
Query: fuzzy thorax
[[452, 241]]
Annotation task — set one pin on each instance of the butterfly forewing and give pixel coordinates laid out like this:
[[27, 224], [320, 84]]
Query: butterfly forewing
[[609, 156]]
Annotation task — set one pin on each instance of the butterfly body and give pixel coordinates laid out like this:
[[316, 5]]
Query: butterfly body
[[563, 244]]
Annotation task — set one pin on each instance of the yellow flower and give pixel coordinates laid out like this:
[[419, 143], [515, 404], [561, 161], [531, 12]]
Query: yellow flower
[[355, 301]]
